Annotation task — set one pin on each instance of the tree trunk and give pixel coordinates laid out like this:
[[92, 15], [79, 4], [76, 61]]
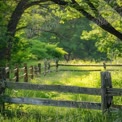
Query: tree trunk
[[15, 17], [24, 4], [12, 25]]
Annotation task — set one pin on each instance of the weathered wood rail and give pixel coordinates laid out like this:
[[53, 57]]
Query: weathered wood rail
[[106, 92], [57, 88], [49, 102], [28, 72], [104, 66]]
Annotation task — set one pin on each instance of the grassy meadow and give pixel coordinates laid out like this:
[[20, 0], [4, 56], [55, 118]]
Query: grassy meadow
[[34, 113]]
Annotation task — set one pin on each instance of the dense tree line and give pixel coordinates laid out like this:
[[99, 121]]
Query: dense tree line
[[15, 19]]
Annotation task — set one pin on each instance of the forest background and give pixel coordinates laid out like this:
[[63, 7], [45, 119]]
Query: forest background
[[39, 29]]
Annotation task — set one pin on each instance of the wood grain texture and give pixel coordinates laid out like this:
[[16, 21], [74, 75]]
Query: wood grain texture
[[114, 91], [49, 102], [58, 88]]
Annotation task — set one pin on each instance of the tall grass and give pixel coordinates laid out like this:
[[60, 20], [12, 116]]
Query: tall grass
[[33, 113]]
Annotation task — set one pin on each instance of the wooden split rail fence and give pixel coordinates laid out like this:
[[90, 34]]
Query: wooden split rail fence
[[106, 92], [29, 72], [95, 67], [26, 72]]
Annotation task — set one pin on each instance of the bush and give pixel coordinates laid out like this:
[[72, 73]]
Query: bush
[[42, 50]]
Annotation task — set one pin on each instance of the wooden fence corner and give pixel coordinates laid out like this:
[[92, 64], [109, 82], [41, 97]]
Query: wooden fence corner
[[106, 82]]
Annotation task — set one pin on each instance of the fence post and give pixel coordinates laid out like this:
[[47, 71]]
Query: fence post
[[25, 73], [31, 72], [45, 66], [35, 70], [106, 100], [7, 71], [2, 88], [48, 66], [56, 61], [16, 73], [39, 68], [104, 65]]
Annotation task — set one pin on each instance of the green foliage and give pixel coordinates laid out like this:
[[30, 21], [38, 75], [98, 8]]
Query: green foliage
[[4, 37], [41, 50], [105, 42], [20, 50], [24, 50], [55, 52], [68, 33], [61, 25]]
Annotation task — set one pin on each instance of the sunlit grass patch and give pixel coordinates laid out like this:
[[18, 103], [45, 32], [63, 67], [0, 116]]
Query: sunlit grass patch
[[91, 79], [29, 113], [34, 113]]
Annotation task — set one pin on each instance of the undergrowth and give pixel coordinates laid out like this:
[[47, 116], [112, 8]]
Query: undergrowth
[[34, 113]]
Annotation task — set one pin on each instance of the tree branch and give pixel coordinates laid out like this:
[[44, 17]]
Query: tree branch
[[101, 22], [23, 27], [60, 2], [15, 17], [116, 7], [35, 3], [53, 32], [91, 6]]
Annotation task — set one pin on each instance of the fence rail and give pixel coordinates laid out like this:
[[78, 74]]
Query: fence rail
[[49, 102], [106, 91], [61, 88], [57, 88], [114, 92], [28, 72], [91, 65]]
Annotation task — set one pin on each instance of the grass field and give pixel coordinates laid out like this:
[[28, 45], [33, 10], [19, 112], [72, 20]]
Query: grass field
[[34, 113]]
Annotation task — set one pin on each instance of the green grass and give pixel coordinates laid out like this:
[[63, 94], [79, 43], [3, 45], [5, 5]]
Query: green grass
[[33, 113], [57, 114]]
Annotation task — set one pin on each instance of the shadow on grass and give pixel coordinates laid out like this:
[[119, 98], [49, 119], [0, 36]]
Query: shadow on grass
[[55, 114]]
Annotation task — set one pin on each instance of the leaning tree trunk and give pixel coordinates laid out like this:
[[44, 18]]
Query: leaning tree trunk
[[101, 22], [12, 25], [14, 20], [24, 4]]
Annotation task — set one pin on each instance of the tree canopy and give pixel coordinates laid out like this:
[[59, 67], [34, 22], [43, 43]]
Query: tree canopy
[[105, 20]]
